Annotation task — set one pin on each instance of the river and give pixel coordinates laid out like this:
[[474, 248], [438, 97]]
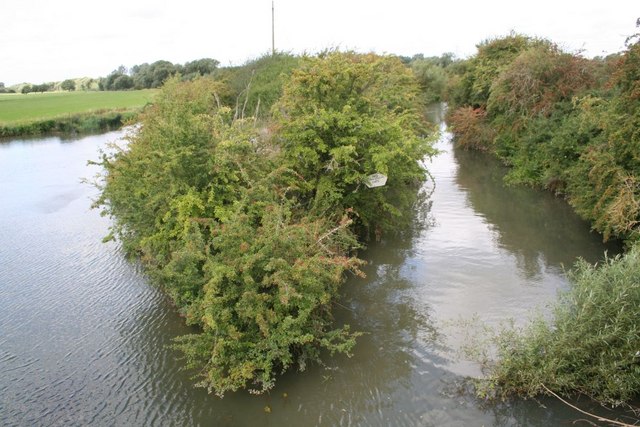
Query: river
[[84, 338]]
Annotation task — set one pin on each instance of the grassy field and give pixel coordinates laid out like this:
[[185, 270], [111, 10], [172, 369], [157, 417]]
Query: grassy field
[[33, 107]]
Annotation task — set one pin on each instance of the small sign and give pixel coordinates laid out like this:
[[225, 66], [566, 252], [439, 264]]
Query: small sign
[[375, 180]]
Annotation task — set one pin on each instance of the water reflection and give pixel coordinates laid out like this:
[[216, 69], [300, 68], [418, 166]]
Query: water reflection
[[539, 228], [86, 340]]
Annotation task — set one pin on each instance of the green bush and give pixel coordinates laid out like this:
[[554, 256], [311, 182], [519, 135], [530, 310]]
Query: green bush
[[604, 186], [346, 116], [432, 78], [255, 86], [248, 238], [560, 121], [591, 345]]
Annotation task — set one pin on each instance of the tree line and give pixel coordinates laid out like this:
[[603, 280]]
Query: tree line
[[147, 76]]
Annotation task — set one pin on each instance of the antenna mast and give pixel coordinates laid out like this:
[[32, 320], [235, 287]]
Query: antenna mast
[[273, 32]]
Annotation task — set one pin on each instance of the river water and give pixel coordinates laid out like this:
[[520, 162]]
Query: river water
[[84, 338]]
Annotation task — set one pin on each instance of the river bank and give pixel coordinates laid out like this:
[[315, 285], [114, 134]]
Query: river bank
[[86, 339], [79, 112], [85, 123]]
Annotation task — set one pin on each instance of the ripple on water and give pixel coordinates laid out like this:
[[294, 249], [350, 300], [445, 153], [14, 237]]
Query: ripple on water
[[85, 340]]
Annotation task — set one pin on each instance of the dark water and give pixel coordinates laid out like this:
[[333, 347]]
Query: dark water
[[84, 339]]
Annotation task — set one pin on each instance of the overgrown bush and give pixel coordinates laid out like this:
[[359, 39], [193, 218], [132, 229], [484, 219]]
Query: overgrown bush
[[605, 184], [344, 117], [471, 128], [255, 86], [560, 121], [591, 345], [248, 231]]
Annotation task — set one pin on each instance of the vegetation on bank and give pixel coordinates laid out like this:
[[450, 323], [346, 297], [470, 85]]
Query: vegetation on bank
[[561, 121], [69, 111], [592, 346], [251, 226], [570, 125], [77, 105], [96, 121], [15, 108]]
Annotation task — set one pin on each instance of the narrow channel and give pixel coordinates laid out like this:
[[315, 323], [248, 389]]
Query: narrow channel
[[84, 339]]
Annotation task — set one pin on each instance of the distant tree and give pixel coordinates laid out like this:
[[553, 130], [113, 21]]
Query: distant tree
[[123, 82], [147, 76], [432, 78], [142, 76], [43, 87], [68, 85], [161, 71], [108, 83], [200, 67], [26, 89]]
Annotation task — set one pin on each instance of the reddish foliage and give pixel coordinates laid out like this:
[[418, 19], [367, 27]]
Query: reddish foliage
[[470, 128]]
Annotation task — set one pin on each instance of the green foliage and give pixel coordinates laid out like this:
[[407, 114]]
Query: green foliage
[[148, 76], [537, 79], [68, 85], [561, 122], [345, 116], [221, 216], [257, 85], [123, 82], [570, 125], [200, 67], [43, 87], [432, 76], [483, 69], [266, 302], [605, 183], [591, 345], [175, 151]]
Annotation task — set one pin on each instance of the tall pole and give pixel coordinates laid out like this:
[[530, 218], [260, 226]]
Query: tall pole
[[273, 31]]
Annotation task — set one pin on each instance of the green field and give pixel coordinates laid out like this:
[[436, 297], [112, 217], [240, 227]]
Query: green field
[[33, 107]]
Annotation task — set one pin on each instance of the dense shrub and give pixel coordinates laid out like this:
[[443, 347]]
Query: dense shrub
[[471, 128], [605, 184], [561, 122], [249, 237], [255, 86], [480, 71], [570, 125], [344, 117], [590, 346]]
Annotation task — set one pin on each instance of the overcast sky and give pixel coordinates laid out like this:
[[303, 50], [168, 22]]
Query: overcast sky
[[44, 40]]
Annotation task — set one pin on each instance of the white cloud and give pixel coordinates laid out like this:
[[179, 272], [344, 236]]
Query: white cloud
[[42, 41]]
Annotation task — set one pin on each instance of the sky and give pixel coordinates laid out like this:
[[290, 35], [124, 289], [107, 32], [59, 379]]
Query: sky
[[42, 41]]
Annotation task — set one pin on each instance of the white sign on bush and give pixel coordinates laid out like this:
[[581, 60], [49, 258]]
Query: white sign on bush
[[375, 180]]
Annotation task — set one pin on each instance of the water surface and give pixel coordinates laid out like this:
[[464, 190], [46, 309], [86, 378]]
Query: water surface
[[84, 338]]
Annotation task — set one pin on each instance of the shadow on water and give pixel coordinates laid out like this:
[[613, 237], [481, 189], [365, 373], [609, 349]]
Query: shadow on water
[[538, 227]]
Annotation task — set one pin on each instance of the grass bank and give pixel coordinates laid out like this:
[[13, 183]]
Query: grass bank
[[31, 114]]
